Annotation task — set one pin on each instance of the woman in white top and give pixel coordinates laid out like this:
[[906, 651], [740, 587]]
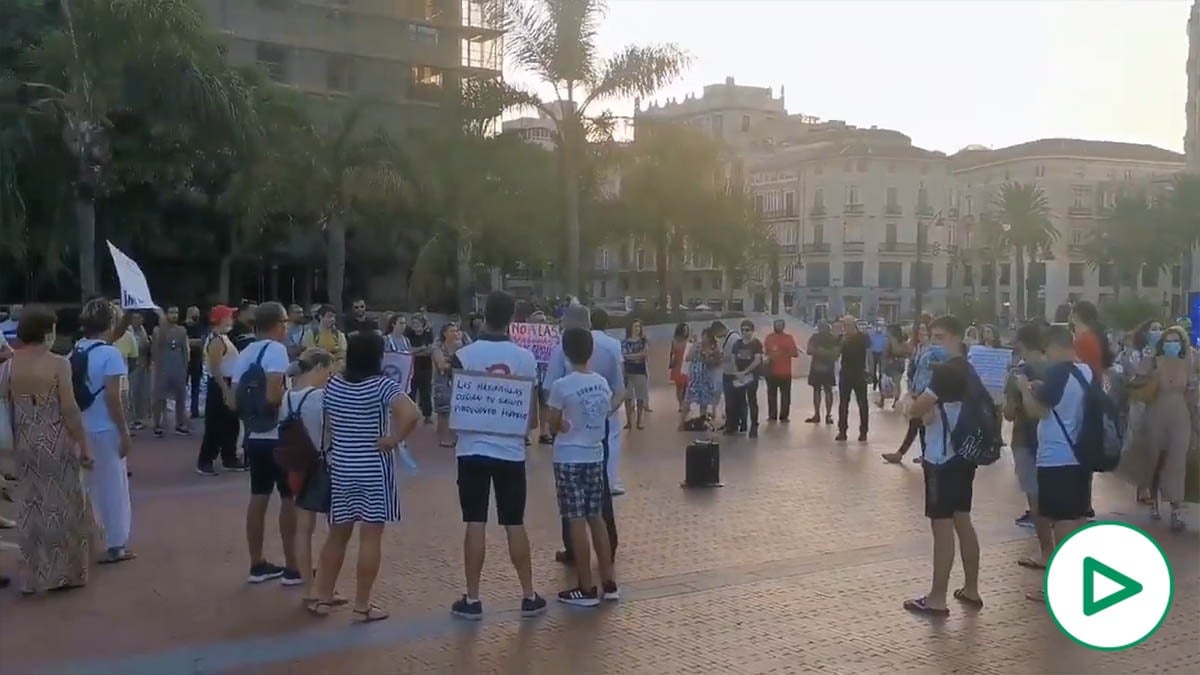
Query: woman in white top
[[221, 425], [394, 339], [309, 374]]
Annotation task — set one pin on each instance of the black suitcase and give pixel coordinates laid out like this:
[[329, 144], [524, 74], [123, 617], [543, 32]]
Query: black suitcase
[[702, 464]]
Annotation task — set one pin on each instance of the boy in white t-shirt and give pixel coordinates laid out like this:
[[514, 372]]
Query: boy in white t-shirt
[[579, 405]]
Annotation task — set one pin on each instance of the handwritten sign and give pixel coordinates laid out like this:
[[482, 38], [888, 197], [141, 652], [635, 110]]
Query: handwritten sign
[[992, 365], [135, 292], [491, 404], [398, 366], [539, 338]]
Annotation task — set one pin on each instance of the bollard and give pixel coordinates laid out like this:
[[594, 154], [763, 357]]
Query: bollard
[[702, 465]]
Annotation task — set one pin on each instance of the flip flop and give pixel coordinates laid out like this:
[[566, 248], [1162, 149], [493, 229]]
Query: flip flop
[[113, 558], [370, 615], [892, 457], [1036, 596], [1031, 564], [921, 606], [318, 608], [967, 600], [337, 601]]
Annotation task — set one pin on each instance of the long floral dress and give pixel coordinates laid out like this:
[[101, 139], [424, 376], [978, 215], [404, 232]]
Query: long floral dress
[[55, 521], [701, 388]]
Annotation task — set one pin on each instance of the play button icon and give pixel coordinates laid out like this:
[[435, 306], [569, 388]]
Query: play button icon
[[1126, 587], [1108, 586]]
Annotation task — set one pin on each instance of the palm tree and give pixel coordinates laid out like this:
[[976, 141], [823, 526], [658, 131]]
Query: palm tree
[[1025, 229], [110, 56], [1126, 239], [1181, 218], [556, 40]]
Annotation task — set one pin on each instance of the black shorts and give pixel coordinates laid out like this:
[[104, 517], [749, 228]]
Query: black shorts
[[476, 476], [821, 380], [949, 488], [265, 474], [1064, 492]]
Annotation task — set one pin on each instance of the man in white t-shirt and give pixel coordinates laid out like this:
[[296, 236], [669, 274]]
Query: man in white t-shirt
[[269, 353], [491, 460]]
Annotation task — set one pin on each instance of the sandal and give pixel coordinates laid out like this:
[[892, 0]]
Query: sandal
[[1036, 596], [921, 606], [370, 615], [337, 601], [1031, 563], [116, 556], [976, 603], [446, 444], [318, 608], [892, 457]]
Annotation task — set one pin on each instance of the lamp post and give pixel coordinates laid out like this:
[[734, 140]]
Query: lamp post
[[919, 272]]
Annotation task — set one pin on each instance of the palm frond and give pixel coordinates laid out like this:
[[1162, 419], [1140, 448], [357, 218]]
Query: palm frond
[[636, 71]]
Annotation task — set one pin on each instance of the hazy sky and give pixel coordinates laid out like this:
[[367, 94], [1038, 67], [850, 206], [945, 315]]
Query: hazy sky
[[946, 72]]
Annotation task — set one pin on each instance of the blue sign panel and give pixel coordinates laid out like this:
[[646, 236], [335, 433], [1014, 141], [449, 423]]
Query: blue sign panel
[[1194, 315]]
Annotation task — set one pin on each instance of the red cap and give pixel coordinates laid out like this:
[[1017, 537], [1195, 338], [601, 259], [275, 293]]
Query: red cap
[[219, 313]]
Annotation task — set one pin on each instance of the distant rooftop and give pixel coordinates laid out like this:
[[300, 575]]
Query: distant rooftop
[[974, 155]]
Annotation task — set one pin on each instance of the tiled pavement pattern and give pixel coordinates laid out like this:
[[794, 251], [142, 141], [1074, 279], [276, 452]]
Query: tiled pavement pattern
[[798, 565]]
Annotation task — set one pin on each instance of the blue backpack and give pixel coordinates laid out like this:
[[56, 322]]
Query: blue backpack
[[84, 396], [251, 398], [1098, 447]]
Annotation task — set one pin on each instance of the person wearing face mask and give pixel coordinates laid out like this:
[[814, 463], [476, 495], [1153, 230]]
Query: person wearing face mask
[[221, 424], [927, 355], [1172, 421], [169, 353], [1137, 365]]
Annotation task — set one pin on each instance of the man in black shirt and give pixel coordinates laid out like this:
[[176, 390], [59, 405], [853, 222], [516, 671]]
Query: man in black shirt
[[949, 479], [420, 339], [747, 357], [853, 378], [196, 331], [823, 349], [242, 333], [358, 321]]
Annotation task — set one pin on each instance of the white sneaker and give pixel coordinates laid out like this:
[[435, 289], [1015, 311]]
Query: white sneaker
[[616, 490]]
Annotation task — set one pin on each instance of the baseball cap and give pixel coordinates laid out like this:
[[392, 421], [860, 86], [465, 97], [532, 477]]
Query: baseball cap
[[219, 313]]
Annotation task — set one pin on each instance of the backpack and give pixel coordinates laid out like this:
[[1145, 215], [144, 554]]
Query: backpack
[[251, 398], [1098, 447], [295, 451], [976, 435], [84, 396]]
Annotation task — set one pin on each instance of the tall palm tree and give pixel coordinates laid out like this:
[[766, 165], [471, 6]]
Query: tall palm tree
[[556, 40], [1026, 229], [110, 56], [1126, 239]]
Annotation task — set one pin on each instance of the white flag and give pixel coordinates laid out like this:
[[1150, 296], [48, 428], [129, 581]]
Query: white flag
[[135, 292]]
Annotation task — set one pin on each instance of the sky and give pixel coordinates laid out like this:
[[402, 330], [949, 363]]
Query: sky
[[948, 73]]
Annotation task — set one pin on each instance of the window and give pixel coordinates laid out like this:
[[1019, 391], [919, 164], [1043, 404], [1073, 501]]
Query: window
[[760, 203], [697, 283], [970, 206], [891, 274], [1036, 275], [429, 35], [273, 59], [1081, 197], [852, 195], [1005, 274], [922, 200], [1176, 276], [817, 273], [891, 167], [1075, 274], [339, 73], [1078, 236], [789, 203], [817, 169], [852, 274], [890, 234], [639, 258], [604, 288], [926, 275], [1106, 275], [426, 83], [968, 275], [862, 166], [745, 123], [1128, 174], [717, 283], [819, 200], [602, 259], [1039, 171], [1108, 199], [789, 273], [1149, 276], [819, 233], [718, 125], [892, 204]]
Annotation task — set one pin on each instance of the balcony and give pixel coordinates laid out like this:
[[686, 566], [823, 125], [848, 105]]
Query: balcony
[[1079, 249], [816, 247], [817, 210], [776, 214], [924, 210], [1079, 211], [892, 210], [852, 209], [788, 249], [952, 213], [898, 247], [853, 247]]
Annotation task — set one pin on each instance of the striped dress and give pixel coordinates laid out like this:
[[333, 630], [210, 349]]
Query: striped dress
[[362, 479]]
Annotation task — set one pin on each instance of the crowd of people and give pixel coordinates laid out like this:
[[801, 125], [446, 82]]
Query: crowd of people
[[283, 388]]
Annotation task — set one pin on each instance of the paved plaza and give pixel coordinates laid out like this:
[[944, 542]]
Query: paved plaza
[[798, 565]]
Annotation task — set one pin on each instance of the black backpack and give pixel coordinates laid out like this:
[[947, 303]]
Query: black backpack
[[251, 398], [976, 435], [84, 396], [1098, 447]]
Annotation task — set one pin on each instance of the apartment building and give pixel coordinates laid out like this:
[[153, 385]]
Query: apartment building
[[407, 57], [1081, 180]]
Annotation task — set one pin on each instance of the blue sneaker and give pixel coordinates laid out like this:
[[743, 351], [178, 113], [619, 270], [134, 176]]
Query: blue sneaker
[[292, 578], [533, 606], [467, 609], [264, 571]]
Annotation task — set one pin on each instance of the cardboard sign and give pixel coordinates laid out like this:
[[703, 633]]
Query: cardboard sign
[[992, 365], [398, 366], [490, 404], [539, 338], [135, 292]]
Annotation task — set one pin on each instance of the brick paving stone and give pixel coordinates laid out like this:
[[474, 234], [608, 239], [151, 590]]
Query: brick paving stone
[[798, 565]]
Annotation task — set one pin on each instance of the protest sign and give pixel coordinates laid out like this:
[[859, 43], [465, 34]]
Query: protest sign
[[539, 338], [992, 365], [488, 403], [398, 366], [135, 292]]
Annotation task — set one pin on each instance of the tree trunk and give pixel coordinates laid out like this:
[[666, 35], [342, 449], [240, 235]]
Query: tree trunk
[[994, 287], [1021, 290], [773, 282], [462, 267], [661, 269], [224, 272], [571, 202], [85, 221], [335, 261]]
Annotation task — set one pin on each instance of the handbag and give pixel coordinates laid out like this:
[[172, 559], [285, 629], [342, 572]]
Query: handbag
[[315, 489]]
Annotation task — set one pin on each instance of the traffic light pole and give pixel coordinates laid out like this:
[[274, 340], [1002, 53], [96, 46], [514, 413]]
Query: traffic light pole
[[918, 272]]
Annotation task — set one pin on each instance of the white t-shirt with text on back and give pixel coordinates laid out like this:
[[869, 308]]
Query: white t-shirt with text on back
[[584, 399], [498, 356], [274, 362]]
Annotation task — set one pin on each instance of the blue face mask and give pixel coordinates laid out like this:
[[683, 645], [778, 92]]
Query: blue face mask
[[1172, 349], [1154, 336], [937, 353]]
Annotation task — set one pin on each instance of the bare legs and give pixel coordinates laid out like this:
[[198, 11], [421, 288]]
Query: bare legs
[[474, 546], [944, 531], [333, 555]]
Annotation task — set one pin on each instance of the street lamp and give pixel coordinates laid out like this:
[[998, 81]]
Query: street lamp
[[919, 280]]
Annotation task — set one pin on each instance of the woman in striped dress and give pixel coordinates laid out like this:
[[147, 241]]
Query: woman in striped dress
[[367, 417]]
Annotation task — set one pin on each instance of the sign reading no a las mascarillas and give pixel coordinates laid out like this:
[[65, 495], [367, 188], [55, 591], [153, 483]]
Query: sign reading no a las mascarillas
[[539, 338], [488, 403]]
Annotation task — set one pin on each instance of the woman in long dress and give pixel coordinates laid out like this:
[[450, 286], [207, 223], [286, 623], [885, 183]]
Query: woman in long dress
[[55, 522]]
